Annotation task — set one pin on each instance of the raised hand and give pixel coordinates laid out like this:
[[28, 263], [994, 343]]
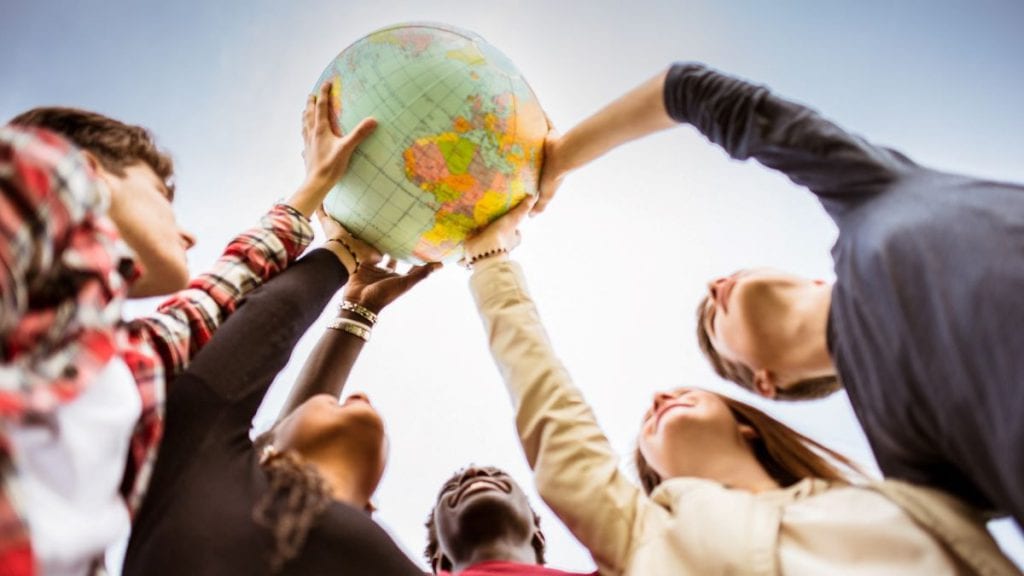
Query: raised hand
[[552, 171], [353, 252], [500, 236], [375, 287], [325, 149]]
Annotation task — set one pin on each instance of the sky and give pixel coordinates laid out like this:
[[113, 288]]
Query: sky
[[621, 257]]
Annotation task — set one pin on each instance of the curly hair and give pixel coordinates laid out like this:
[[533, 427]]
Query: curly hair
[[297, 495], [787, 455], [115, 144], [440, 562]]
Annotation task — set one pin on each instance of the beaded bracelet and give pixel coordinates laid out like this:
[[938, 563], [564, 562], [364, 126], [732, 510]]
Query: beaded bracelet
[[348, 249], [485, 255], [357, 308], [357, 329]]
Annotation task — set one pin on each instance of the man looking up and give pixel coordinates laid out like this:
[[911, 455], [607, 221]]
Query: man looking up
[[483, 525]]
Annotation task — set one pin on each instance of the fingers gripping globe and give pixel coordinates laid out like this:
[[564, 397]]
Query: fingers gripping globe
[[459, 139]]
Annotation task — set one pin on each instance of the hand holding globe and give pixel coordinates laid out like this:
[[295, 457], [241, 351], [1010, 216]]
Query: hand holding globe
[[460, 139]]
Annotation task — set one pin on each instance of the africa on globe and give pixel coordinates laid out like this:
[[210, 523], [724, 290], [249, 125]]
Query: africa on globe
[[459, 140]]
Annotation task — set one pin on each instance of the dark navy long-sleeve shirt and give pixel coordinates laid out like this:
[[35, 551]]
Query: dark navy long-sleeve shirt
[[926, 326]]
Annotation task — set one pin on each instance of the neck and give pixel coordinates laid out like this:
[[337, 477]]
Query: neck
[[728, 460], [342, 483], [741, 473], [808, 355], [498, 551]]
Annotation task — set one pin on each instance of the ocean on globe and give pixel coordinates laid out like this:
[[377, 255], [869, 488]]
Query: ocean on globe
[[459, 139]]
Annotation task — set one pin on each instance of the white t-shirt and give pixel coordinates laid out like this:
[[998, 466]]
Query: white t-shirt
[[69, 470]]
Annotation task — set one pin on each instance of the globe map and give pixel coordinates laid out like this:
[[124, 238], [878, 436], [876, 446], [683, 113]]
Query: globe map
[[458, 143]]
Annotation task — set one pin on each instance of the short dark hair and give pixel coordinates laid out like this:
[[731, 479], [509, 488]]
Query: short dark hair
[[434, 544], [809, 389], [115, 144]]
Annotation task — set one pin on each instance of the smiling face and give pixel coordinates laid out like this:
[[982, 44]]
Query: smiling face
[[688, 429], [352, 433], [475, 508]]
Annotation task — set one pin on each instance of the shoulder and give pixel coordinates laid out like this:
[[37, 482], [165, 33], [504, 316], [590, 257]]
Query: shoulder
[[42, 166]]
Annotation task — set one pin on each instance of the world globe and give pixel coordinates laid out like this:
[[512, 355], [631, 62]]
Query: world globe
[[459, 139]]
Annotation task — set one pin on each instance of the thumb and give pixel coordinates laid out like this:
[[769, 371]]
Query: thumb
[[515, 216], [359, 133], [417, 274]]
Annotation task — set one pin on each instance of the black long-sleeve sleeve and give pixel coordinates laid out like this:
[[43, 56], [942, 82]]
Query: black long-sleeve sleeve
[[257, 340], [214, 400], [748, 121]]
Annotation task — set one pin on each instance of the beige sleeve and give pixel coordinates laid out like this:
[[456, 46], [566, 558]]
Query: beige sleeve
[[575, 469]]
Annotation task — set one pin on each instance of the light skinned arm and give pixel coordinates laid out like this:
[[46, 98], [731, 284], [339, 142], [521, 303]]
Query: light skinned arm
[[636, 114], [575, 468]]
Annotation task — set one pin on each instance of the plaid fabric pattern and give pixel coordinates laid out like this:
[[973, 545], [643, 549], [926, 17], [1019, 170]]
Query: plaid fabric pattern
[[158, 347], [65, 275], [62, 282]]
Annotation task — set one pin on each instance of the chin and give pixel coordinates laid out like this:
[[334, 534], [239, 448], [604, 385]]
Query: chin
[[160, 279]]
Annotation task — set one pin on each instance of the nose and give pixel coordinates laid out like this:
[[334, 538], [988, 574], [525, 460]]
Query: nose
[[188, 240], [714, 287], [473, 472], [660, 398], [359, 396]]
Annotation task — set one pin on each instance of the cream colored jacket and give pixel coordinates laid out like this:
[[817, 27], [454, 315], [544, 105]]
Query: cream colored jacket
[[696, 526]]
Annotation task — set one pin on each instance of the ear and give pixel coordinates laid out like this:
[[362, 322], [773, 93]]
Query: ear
[[92, 161], [764, 384], [538, 540], [439, 562], [748, 432]]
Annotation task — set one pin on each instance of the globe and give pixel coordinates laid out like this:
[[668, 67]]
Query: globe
[[459, 139]]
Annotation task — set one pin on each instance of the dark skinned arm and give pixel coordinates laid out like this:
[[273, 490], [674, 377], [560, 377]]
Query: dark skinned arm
[[328, 367]]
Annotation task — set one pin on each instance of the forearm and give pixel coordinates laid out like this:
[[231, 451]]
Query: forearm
[[748, 121], [308, 197], [636, 114], [186, 321], [328, 367], [257, 341], [575, 468]]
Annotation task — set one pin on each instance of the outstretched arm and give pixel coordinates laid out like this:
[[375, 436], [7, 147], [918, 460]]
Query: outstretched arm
[[575, 468], [745, 119], [639, 112], [367, 293]]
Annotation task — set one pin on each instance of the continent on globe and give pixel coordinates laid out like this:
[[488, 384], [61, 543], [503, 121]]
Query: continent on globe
[[459, 140]]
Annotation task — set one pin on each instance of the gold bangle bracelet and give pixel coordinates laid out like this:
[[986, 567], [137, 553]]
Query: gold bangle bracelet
[[357, 308], [357, 329]]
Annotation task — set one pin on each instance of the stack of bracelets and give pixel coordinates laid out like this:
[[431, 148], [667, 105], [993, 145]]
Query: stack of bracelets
[[354, 327]]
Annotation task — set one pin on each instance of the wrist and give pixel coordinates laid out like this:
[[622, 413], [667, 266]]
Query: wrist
[[310, 195], [357, 311], [344, 254], [565, 154], [356, 328], [476, 260]]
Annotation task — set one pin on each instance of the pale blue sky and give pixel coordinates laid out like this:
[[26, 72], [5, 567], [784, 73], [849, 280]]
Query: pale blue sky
[[222, 85]]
